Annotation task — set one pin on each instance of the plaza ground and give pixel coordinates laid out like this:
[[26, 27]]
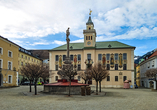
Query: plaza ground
[[19, 98]]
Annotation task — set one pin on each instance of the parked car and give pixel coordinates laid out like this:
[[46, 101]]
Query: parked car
[[39, 83], [26, 83]]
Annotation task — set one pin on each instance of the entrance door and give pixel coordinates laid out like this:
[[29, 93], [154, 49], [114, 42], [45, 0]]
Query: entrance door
[[1, 80], [90, 81]]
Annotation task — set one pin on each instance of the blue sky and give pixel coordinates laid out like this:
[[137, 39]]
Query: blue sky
[[41, 24]]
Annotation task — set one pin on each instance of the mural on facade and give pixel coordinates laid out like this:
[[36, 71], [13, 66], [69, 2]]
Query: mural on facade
[[120, 60], [112, 61], [75, 60], [60, 61], [103, 59]]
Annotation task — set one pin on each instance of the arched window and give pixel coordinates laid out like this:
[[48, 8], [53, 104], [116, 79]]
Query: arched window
[[89, 28], [91, 37], [86, 37]]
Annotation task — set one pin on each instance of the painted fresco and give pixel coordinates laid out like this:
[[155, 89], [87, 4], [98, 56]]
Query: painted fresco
[[60, 61], [103, 59], [112, 61], [120, 60], [75, 60]]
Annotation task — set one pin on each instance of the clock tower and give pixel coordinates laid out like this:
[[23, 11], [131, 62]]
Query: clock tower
[[89, 33]]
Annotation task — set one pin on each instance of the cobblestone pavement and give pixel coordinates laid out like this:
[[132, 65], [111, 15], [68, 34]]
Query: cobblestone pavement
[[19, 98]]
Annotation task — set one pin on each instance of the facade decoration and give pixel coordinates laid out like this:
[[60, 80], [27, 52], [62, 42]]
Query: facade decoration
[[75, 61], [103, 60], [120, 60], [112, 60], [60, 61]]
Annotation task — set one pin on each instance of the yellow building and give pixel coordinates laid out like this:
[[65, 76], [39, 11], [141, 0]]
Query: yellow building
[[25, 57], [8, 62], [12, 57], [138, 75], [116, 56]]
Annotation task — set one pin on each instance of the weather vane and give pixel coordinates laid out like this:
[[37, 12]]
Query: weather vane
[[90, 11]]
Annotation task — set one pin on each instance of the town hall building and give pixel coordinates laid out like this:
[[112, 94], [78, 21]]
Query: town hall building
[[116, 56]]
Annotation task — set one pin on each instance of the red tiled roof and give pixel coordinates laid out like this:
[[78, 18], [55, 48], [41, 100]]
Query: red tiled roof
[[154, 54]]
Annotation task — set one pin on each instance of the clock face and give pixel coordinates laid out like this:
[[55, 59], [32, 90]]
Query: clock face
[[88, 43]]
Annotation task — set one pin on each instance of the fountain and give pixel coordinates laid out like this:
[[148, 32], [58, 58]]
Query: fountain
[[67, 73]]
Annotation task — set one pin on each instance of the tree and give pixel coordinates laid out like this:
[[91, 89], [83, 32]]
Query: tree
[[45, 75], [152, 73], [85, 75], [67, 72], [99, 73], [33, 72]]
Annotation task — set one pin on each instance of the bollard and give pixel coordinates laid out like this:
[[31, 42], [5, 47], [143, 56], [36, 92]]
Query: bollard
[[88, 90], [83, 91]]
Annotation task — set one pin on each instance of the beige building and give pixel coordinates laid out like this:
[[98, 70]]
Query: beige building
[[116, 56]]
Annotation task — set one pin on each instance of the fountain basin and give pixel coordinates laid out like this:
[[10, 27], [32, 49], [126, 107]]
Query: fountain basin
[[62, 87]]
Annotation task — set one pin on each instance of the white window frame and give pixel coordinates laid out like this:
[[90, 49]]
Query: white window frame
[[11, 53], [79, 79], [2, 51], [77, 57], [55, 57], [11, 65], [2, 63], [90, 56], [100, 57], [55, 78], [11, 79]]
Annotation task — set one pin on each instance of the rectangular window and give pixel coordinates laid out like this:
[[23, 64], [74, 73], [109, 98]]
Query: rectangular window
[[124, 56], [32, 59], [1, 50], [9, 79], [78, 78], [56, 58], [28, 58], [116, 56], [124, 67], [56, 78], [21, 63], [108, 56], [108, 78], [64, 56], [116, 66], [116, 78], [21, 56], [124, 78], [71, 57], [1, 63], [25, 57], [79, 67], [89, 56], [9, 53], [108, 66], [56, 67], [91, 37], [79, 57], [9, 65], [99, 56]]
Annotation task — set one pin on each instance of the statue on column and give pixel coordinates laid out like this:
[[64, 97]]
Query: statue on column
[[67, 33]]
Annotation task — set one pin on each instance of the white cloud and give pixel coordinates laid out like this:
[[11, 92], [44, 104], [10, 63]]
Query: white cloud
[[39, 18], [58, 42]]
